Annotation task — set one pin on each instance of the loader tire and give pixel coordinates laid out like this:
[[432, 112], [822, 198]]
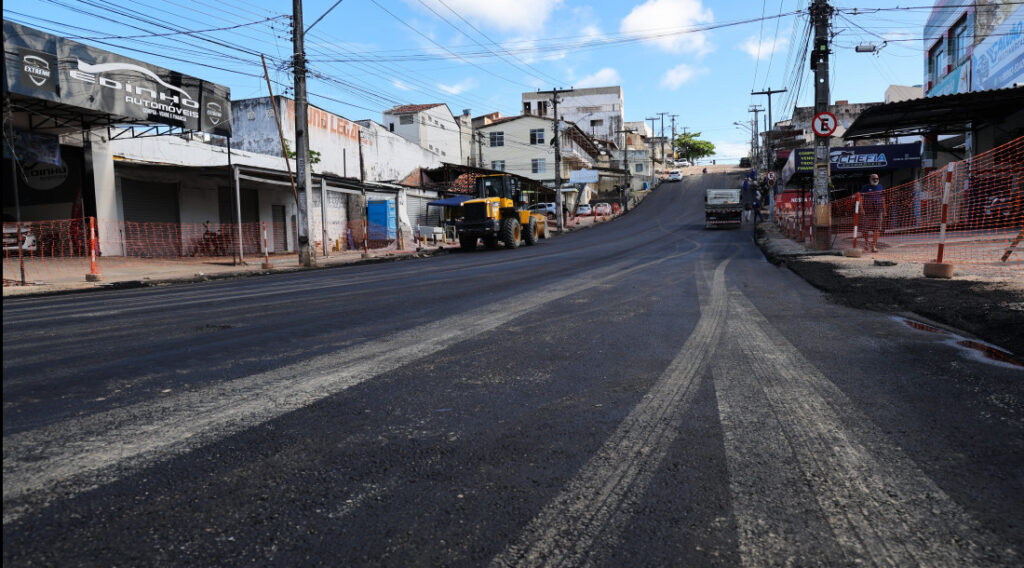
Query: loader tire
[[511, 232], [532, 233], [467, 243]]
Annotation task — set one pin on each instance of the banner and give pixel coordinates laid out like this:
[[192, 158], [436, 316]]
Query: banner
[[51, 68], [856, 159]]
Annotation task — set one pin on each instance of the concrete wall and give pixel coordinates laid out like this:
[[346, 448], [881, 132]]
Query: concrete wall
[[389, 157]]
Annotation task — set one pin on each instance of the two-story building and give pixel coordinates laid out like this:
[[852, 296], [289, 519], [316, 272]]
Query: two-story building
[[524, 145], [432, 126]]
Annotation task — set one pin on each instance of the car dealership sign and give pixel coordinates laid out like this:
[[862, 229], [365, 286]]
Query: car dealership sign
[[59, 70]]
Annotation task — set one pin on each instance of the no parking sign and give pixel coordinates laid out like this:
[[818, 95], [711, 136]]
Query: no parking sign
[[824, 124]]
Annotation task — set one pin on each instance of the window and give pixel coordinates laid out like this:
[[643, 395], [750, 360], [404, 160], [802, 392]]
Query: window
[[498, 165], [589, 109], [536, 136], [958, 41], [526, 107], [937, 62], [405, 119], [598, 122], [639, 167], [542, 108], [538, 166], [497, 139], [391, 126]]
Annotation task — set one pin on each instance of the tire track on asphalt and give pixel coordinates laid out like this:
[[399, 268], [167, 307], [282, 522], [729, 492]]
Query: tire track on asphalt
[[593, 508], [797, 448], [77, 455]]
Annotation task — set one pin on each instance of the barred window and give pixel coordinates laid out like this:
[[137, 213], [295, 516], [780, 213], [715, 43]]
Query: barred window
[[538, 166], [497, 139], [537, 136]]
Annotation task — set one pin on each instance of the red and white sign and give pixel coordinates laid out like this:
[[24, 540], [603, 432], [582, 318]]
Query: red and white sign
[[771, 176], [824, 124]]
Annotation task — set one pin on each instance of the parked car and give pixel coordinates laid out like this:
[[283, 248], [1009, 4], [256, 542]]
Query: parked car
[[603, 209], [744, 162], [28, 239], [584, 209], [675, 175], [549, 209]]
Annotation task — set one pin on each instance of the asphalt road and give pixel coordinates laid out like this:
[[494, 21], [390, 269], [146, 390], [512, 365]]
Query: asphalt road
[[642, 393]]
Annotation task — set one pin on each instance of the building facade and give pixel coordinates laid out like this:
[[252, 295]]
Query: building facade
[[597, 111], [973, 46], [523, 145], [432, 126]]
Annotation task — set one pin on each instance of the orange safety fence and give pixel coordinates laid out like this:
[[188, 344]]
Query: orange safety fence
[[969, 213], [60, 250]]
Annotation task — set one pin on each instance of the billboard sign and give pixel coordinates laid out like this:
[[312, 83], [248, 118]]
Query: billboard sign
[[62, 71], [856, 159], [999, 59], [583, 176]]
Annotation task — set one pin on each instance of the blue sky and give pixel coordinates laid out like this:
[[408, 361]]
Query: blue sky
[[699, 59]]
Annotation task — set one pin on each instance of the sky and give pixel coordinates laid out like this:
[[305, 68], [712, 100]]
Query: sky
[[698, 59]]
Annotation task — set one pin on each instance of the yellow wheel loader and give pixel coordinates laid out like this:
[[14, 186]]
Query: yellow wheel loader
[[498, 214]]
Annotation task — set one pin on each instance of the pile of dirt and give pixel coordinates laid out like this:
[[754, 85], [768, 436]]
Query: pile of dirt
[[989, 310]]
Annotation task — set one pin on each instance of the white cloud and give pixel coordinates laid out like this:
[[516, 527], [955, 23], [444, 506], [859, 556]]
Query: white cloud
[[676, 76], [603, 78], [458, 88], [661, 21], [730, 150], [524, 15], [400, 85], [764, 48]]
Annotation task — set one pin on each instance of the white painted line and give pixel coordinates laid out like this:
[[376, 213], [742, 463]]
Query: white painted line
[[797, 449], [597, 502]]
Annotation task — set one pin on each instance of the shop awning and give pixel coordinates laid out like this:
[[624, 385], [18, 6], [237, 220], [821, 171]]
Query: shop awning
[[947, 114]]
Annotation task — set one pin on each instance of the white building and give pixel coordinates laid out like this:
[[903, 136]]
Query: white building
[[432, 126], [523, 145], [598, 111]]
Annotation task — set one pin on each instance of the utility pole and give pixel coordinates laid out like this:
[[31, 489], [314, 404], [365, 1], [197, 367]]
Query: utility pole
[[756, 148], [663, 159], [302, 178], [625, 161], [673, 116], [652, 149], [769, 147], [558, 153], [821, 14]]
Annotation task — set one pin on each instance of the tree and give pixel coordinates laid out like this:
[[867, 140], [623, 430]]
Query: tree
[[314, 156], [692, 148]]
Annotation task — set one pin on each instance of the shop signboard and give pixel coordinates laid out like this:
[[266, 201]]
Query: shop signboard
[[58, 70], [999, 59]]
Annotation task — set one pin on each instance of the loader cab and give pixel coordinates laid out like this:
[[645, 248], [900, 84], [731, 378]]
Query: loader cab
[[500, 186]]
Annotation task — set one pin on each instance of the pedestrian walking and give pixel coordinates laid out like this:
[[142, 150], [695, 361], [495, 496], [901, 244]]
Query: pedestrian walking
[[757, 208], [746, 211]]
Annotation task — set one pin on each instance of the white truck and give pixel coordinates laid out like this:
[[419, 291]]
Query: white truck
[[722, 208]]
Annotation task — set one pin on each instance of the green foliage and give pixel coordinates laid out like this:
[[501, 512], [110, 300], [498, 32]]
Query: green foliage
[[314, 156], [691, 147]]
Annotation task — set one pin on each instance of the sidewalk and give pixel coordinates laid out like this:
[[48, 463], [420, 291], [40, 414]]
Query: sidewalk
[[119, 272], [68, 275]]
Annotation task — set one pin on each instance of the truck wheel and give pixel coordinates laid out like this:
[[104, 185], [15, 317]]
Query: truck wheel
[[467, 243], [532, 233], [491, 242], [511, 232]]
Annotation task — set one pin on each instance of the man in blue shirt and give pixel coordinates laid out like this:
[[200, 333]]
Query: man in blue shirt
[[874, 209]]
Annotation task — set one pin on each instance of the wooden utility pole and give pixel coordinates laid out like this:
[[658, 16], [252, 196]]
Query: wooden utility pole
[[302, 177], [821, 14], [558, 153]]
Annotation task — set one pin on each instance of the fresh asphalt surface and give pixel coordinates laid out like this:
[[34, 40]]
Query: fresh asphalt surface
[[642, 393]]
